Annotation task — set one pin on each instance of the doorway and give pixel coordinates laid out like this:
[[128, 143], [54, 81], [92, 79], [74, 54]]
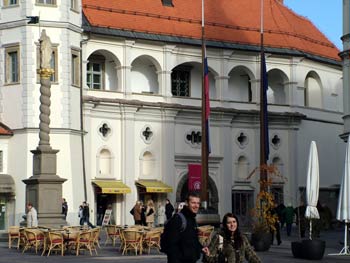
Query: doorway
[[104, 201]]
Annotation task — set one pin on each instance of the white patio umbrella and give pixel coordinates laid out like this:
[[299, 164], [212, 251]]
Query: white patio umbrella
[[343, 212], [312, 185]]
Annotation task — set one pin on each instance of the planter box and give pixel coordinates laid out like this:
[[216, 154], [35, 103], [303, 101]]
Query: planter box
[[309, 249]]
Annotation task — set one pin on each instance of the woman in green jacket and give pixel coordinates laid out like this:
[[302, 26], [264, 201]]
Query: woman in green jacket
[[231, 244]]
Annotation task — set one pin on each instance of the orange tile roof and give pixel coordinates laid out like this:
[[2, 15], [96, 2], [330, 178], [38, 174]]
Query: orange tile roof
[[4, 130], [225, 20]]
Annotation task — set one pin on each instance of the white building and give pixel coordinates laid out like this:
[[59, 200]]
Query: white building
[[125, 101]]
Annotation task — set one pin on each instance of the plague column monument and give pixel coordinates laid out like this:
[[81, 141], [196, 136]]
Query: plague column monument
[[44, 187]]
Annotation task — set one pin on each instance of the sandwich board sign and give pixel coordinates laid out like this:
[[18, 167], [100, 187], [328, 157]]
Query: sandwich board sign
[[107, 217]]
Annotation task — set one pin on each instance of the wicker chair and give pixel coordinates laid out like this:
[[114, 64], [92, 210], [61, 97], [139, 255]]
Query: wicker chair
[[94, 239], [34, 238], [113, 232], [84, 242], [151, 239], [204, 234], [132, 240], [56, 242], [14, 235]]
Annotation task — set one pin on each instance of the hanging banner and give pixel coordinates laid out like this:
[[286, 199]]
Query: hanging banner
[[194, 177]]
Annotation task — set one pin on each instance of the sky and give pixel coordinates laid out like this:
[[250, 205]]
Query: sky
[[327, 16]]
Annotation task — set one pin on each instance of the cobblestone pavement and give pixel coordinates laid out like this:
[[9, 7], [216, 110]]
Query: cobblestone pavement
[[108, 253]]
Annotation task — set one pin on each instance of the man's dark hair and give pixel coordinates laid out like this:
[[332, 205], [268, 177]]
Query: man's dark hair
[[192, 194]]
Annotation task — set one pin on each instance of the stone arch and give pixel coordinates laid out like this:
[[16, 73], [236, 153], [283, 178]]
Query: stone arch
[[144, 75], [239, 84], [195, 73], [102, 64], [181, 191], [277, 93], [313, 90]]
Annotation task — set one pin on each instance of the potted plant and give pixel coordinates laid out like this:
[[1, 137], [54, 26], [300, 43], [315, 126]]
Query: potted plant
[[264, 218]]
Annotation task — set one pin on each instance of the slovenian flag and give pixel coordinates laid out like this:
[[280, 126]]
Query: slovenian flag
[[264, 109], [206, 99]]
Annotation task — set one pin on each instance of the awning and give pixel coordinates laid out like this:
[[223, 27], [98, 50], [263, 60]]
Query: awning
[[154, 186], [112, 186], [7, 184]]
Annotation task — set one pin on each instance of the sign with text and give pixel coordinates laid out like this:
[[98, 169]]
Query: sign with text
[[194, 177], [107, 217]]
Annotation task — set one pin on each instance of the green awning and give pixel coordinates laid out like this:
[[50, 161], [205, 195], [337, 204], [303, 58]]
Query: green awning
[[112, 186]]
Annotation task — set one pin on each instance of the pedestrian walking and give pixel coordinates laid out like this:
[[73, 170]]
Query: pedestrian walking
[[136, 212], [80, 215], [229, 245], [288, 214], [150, 212], [86, 215], [64, 208], [32, 216], [169, 209], [143, 214], [160, 214], [277, 230]]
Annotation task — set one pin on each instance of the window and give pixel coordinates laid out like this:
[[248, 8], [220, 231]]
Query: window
[[180, 82], [167, 2], [12, 65], [74, 5], [242, 204], [75, 68], [10, 2], [53, 63], [94, 75], [46, 2]]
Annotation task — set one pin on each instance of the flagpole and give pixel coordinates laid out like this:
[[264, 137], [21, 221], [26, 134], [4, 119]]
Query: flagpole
[[204, 159], [263, 142]]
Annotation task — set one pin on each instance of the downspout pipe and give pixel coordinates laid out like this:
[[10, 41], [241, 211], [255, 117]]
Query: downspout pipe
[[82, 133]]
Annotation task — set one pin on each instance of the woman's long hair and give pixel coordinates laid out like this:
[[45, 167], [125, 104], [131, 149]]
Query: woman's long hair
[[237, 237]]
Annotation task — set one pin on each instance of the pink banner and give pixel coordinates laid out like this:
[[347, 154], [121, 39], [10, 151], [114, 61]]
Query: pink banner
[[194, 177]]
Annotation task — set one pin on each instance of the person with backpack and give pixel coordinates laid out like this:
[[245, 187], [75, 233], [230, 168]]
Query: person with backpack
[[180, 240]]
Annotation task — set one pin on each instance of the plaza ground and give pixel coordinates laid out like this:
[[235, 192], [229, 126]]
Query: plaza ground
[[108, 253]]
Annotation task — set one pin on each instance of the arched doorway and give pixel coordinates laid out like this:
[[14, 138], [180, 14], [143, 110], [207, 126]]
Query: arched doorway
[[213, 200]]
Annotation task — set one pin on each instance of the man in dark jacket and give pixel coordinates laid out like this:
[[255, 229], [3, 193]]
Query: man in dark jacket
[[169, 209], [184, 246]]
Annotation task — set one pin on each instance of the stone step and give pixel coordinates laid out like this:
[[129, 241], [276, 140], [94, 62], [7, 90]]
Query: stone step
[[3, 236]]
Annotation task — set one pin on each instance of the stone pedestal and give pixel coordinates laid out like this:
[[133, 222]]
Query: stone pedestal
[[44, 189]]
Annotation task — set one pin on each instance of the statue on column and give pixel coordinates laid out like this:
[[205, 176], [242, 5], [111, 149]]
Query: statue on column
[[45, 50]]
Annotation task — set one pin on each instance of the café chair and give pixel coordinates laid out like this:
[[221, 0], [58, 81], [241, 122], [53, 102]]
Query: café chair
[[84, 242], [113, 233], [34, 238], [132, 240], [151, 239], [56, 242], [14, 235], [204, 233]]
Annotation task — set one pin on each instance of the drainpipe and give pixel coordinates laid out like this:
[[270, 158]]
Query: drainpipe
[[82, 133]]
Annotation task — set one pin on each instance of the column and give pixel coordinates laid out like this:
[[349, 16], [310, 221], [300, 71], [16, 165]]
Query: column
[[345, 54]]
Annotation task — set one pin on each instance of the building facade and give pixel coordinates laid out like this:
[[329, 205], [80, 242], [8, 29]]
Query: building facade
[[126, 102]]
